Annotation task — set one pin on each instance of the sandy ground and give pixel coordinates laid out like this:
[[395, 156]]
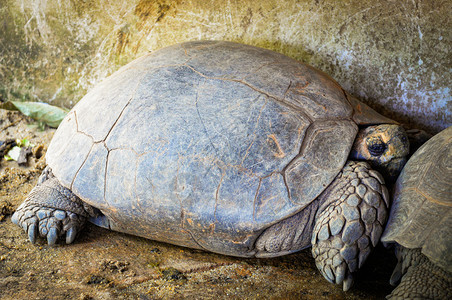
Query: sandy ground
[[108, 265]]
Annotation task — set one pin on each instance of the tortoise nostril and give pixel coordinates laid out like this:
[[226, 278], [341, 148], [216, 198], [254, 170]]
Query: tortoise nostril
[[376, 146]]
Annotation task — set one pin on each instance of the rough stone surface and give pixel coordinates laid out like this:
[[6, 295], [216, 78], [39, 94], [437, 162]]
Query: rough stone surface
[[393, 55]]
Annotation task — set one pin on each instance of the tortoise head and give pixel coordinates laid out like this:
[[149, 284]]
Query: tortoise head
[[385, 147]]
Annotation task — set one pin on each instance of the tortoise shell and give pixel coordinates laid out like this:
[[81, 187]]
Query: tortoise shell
[[421, 215], [205, 144]]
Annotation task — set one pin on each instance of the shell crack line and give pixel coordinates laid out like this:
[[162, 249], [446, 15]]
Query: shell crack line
[[282, 101], [255, 199], [81, 166], [202, 121], [125, 106], [217, 194], [78, 130]]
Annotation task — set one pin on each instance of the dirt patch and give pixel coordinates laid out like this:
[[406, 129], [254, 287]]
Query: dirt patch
[[6, 209], [103, 264]]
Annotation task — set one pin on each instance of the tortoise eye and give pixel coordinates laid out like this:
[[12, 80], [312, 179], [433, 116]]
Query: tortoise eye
[[375, 146]]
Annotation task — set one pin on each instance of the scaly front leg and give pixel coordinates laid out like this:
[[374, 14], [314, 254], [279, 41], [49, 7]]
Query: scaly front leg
[[51, 211], [349, 222], [419, 277]]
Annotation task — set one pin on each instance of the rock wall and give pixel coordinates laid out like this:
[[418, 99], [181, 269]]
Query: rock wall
[[394, 55]]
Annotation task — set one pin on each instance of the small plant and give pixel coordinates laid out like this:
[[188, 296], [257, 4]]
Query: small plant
[[14, 152]]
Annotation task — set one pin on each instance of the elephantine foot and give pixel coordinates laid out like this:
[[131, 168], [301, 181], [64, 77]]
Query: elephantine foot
[[48, 223], [349, 222], [52, 211]]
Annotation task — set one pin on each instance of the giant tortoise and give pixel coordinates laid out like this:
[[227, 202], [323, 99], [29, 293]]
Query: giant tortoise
[[223, 147], [420, 222]]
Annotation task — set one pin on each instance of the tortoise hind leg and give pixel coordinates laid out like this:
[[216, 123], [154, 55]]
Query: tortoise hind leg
[[51, 211], [420, 278], [289, 235], [349, 222]]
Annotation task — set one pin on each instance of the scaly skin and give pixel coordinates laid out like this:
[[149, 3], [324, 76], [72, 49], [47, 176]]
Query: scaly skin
[[421, 279], [349, 222], [51, 211]]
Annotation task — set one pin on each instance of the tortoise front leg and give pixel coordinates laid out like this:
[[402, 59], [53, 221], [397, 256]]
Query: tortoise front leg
[[419, 277], [349, 222], [51, 211]]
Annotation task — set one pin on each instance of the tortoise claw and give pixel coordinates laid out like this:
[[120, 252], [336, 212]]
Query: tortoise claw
[[32, 232], [48, 223], [340, 273], [52, 236], [396, 274], [15, 218], [348, 282], [70, 235]]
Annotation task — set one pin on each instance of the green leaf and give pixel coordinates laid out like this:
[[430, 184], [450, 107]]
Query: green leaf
[[41, 112], [24, 143], [13, 153]]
